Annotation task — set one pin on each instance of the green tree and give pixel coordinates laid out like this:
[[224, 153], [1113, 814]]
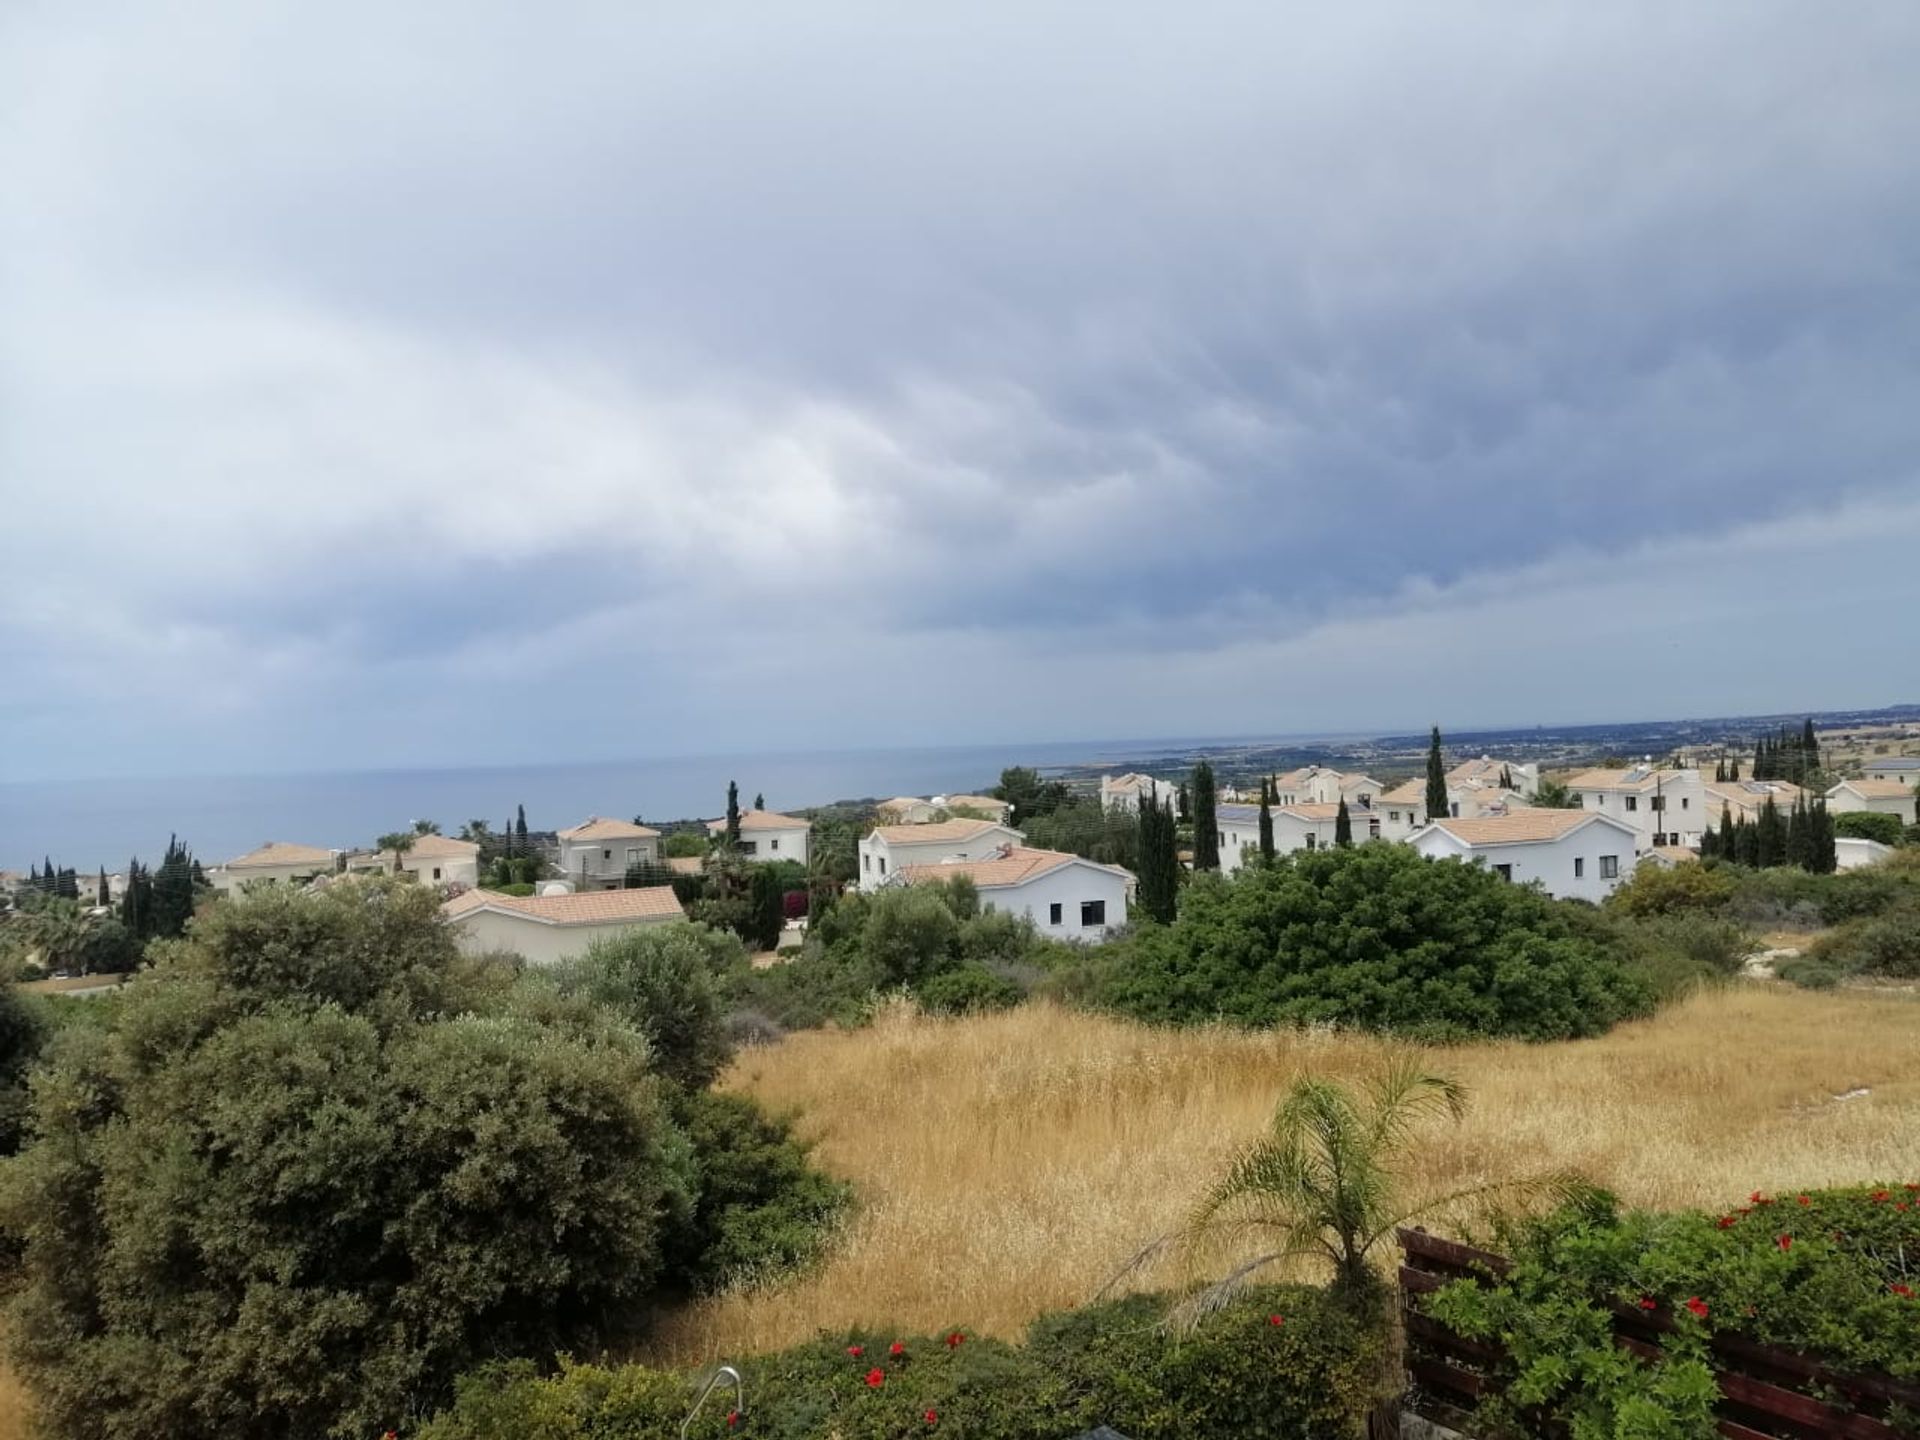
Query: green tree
[[664, 981], [1206, 824], [101, 894], [1029, 795], [1343, 826], [1266, 818], [22, 1034], [1159, 887], [426, 827], [1823, 857], [397, 841], [759, 801], [733, 815], [1870, 825], [1437, 806], [1770, 836], [172, 897], [520, 831], [1554, 795], [684, 845]]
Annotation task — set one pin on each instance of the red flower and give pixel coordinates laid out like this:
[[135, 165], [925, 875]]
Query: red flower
[[1727, 1222], [1647, 1302], [896, 1349], [876, 1377], [953, 1340], [856, 1351], [1806, 1199], [1759, 1199], [1698, 1307], [1905, 1292], [932, 1417], [1785, 1242], [1911, 1185], [733, 1418], [1879, 1197], [1276, 1319]]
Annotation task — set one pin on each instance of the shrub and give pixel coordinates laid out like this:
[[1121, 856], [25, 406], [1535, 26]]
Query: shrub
[[1379, 937], [1870, 825], [1279, 1361], [1886, 948], [662, 979], [1833, 1272], [1655, 890], [1809, 974], [22, 1032], [971, 989]]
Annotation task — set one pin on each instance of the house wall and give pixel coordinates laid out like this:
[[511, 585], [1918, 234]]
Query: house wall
[[1843, 800], [1066, 886], [1240, 839], [1551, 862], [605, 861], [1851, 852], [453, 870], [534, 942], [1684, 813], [785, 844], [1906, 775], [231, 881]]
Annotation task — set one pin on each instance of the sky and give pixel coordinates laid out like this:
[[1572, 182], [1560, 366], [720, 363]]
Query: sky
[[483, 383]]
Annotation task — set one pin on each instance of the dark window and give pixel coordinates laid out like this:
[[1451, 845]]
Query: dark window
[[1053, 913], [436, 872], [1633, 802], [1579, 866], [1609, 867], [1093, 912], [1505, 872]]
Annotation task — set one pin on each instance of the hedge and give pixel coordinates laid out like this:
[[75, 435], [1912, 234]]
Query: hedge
[[1279, 1361]]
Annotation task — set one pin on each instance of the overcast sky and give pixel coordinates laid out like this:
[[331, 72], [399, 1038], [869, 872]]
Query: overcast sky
[[457, 383]]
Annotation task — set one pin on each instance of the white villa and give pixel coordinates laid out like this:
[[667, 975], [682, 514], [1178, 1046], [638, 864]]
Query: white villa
[[912, 810], [1745, 799], [431, 859], [1903, 768], [1573, 854], [891, 848], [1662, 807], [597, 854], [767, 835], [1403, 809], [1487, 773], [276, 862], [1066, 897], [546, 929], [1886, 797], [1125, 792], [1295, 827], [1318, 785]]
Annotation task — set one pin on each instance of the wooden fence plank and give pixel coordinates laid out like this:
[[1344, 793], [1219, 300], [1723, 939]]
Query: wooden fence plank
[[1802, 1409], [1448, 1377], [1431, 1332]]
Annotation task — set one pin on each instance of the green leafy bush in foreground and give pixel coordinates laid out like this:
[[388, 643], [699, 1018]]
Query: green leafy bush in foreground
[[1832, 1272], [1278, 1361], [1376, 937]]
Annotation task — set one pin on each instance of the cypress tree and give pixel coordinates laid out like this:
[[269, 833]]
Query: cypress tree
[[49, 877], [1825, 856], [173, 891], [1343, 826], [1266, 818], [1799, 849], [1184, 798], [1159, 862], [733, 815], [1733, 768], [1728, 847], [759, 801], [1206, 824], [520, 832], [67, 885], [102, 896], [1771, 836], [1436, 780]]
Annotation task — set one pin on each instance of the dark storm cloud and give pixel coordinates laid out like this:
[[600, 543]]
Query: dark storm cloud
[[365, 361]]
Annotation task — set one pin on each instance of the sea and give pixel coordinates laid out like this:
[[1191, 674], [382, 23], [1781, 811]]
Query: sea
[[90, 824]]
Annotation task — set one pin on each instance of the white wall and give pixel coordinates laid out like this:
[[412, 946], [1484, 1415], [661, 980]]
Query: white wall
[[785, 844], [453, 870], [1685, 813], [1066, 886], [1843, 800], [606, 860], [231, 881], [536, 943], [1852, 851], [1551, 862]]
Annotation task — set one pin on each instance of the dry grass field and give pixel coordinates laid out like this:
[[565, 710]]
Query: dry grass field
[[1008, 1164]]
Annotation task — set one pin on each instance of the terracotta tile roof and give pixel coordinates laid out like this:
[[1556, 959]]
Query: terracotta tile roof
[[1407, 792], [594, 828], [941, 832], [1635, 778], [428, 847], [587, 907], [1747, 795], [1519, 827], [901, 802], [1132, 783], [1675, 854], [1016, 867], [279, 852], [761, 820], [1877, 789]]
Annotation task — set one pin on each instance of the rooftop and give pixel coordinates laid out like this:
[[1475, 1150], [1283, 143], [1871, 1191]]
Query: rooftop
[[1015, 865], [1634, 777], [280, 852], [594, 828], [1518, 827], [587, 907], [761, 820], [1878, 789], [941, 832]]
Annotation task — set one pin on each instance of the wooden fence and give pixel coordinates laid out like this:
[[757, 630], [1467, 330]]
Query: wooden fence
[[1766, 1393]]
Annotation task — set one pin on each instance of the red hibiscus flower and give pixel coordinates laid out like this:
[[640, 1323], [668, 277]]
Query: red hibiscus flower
[[1785, 1242], [733, 1419], [1905, 1292], [1879, 1197], [876, 1377], [1727, 1222], [856, 1351], [953, 1340], [1698, 1307], [896, 1349], [1276, 1319], [932, 1417], [1759, 1199], [1647, 1302], [1806, 1199]]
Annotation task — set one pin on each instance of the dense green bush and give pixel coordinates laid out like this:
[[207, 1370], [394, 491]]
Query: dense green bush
[[664, 980], [1663, 890], [23, 1030], [1832, 1272], [969, 990], [1376, 937], [318, 1163], [1277, 1361], [1885, 948], [1870, 825]]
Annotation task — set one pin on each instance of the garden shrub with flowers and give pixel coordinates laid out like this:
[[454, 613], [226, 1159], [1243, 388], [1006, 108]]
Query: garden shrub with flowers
[[1833, 1273], [1277, 1361]]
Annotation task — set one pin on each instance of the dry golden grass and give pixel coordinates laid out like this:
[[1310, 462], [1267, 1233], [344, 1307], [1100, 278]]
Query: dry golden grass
[[1008, 1164], [16, 1408]]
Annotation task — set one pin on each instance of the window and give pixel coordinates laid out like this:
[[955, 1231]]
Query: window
[[633, 856], [1609, 867], [1394, 816], [1685, 804], [1633, 802], [749, 847], [606, 854], [1373, 829], [1579, 866], [1053, 913], [1505, 872], [1093, 912], [436, 872], [1659, 802], [866, 863], [883, 864], [1311, 840], [773, 844], [1453, 810]]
